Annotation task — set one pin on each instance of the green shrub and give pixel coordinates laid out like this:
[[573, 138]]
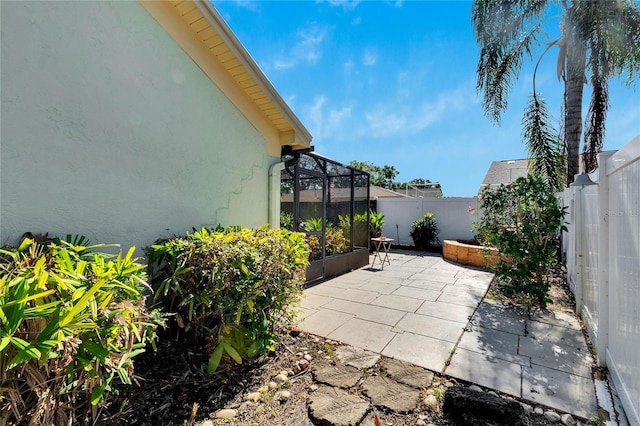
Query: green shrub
[[522, 221], [336, 241], [71, 320], [286, 221], [231, 291], [424, 232]]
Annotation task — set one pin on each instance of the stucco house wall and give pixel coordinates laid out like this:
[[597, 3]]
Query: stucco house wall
[[110, 130]]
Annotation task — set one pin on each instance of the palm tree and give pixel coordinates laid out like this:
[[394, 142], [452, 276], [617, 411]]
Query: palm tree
[[599, 39]]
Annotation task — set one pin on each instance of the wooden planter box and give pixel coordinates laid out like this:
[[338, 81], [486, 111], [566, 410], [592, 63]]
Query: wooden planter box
[[467, 254]]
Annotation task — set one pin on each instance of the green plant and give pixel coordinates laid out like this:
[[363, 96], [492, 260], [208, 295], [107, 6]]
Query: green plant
[[424, 232], [71, 322], [286, 221], [376, 223], [522, 221], [361, 228], [231, 291]]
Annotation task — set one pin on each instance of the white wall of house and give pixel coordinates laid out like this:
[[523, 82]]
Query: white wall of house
[[451, 215], [111, 131]]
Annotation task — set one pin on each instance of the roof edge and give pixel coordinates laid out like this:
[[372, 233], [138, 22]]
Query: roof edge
[[210, 12]]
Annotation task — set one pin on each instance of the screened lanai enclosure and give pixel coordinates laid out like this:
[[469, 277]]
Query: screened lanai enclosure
[[329, 202]]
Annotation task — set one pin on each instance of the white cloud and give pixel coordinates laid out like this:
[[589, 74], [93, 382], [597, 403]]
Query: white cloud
[[327, 121], [369, 57], [310, 41], [345, 4], [307, 48], [348, 66], [249, 4], [400, 119], [283, 64]]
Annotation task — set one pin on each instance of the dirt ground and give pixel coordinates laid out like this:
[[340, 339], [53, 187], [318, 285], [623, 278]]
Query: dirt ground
[[173, 387]]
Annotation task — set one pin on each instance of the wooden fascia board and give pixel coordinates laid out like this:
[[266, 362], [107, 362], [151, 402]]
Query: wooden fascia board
[[169, 19], [210, 12]]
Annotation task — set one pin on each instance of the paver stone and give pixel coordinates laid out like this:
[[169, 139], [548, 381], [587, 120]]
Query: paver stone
[[397, 397], [407, 373], [337, 407], [337, 375]]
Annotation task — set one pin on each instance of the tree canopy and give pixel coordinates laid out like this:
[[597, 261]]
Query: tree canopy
[[598, 40]]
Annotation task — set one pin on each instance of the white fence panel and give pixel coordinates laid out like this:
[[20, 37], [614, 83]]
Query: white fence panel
[[623, 349], [451, 214], [589, 229], [602, 252]]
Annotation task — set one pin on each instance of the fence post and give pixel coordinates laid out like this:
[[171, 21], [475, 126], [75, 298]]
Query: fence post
[[577, 248], [602, 339]]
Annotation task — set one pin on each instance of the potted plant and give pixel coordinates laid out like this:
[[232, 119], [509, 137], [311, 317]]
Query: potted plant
[[424, 232], [376, 224]]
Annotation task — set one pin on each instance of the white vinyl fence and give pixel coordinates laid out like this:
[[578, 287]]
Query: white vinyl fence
[[602, 248], [451, 215]]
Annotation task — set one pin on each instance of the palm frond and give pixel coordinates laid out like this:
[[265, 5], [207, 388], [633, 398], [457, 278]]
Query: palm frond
[[506, 32], [596, 119], [543, 144]]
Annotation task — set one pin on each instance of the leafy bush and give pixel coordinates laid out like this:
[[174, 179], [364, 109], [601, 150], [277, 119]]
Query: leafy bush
[[71, 320], [376, 225], [231, 290], [522, 221], [336, 241], [424, 232], [286, 221]]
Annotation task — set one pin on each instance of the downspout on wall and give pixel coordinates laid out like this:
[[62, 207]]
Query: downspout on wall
[[274, 194]]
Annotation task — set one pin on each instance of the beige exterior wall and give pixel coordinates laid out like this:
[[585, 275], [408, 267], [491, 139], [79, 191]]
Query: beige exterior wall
[[111, 131]]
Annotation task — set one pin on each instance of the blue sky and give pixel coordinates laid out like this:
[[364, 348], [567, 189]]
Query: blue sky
[[393, 83]]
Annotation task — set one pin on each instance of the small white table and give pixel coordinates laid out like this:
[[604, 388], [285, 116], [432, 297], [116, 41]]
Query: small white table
[[381, 247]]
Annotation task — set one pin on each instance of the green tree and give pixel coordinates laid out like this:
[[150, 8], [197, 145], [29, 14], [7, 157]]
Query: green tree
[[599, 39], [380, 176]]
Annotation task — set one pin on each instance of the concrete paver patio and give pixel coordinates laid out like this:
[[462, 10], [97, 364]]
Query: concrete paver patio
[[432, 313]]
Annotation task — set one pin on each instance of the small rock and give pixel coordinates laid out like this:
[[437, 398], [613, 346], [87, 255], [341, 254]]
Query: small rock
[[290, 373], [423, 416], [273, 385], [299, 354], [527, 408], [303, 364], [421, 422], [280, 378], [296, 368], [264, 389], [207, 423], [567, 419], [313, 388], [494, 394], [538, 410], [475, 388], [448, 384], [316, 340], [552, 416], [284, 372], [226, 413], [253, 396], [308, 357], [431, 401], [430, 391], [246, 405], [282, 395]]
